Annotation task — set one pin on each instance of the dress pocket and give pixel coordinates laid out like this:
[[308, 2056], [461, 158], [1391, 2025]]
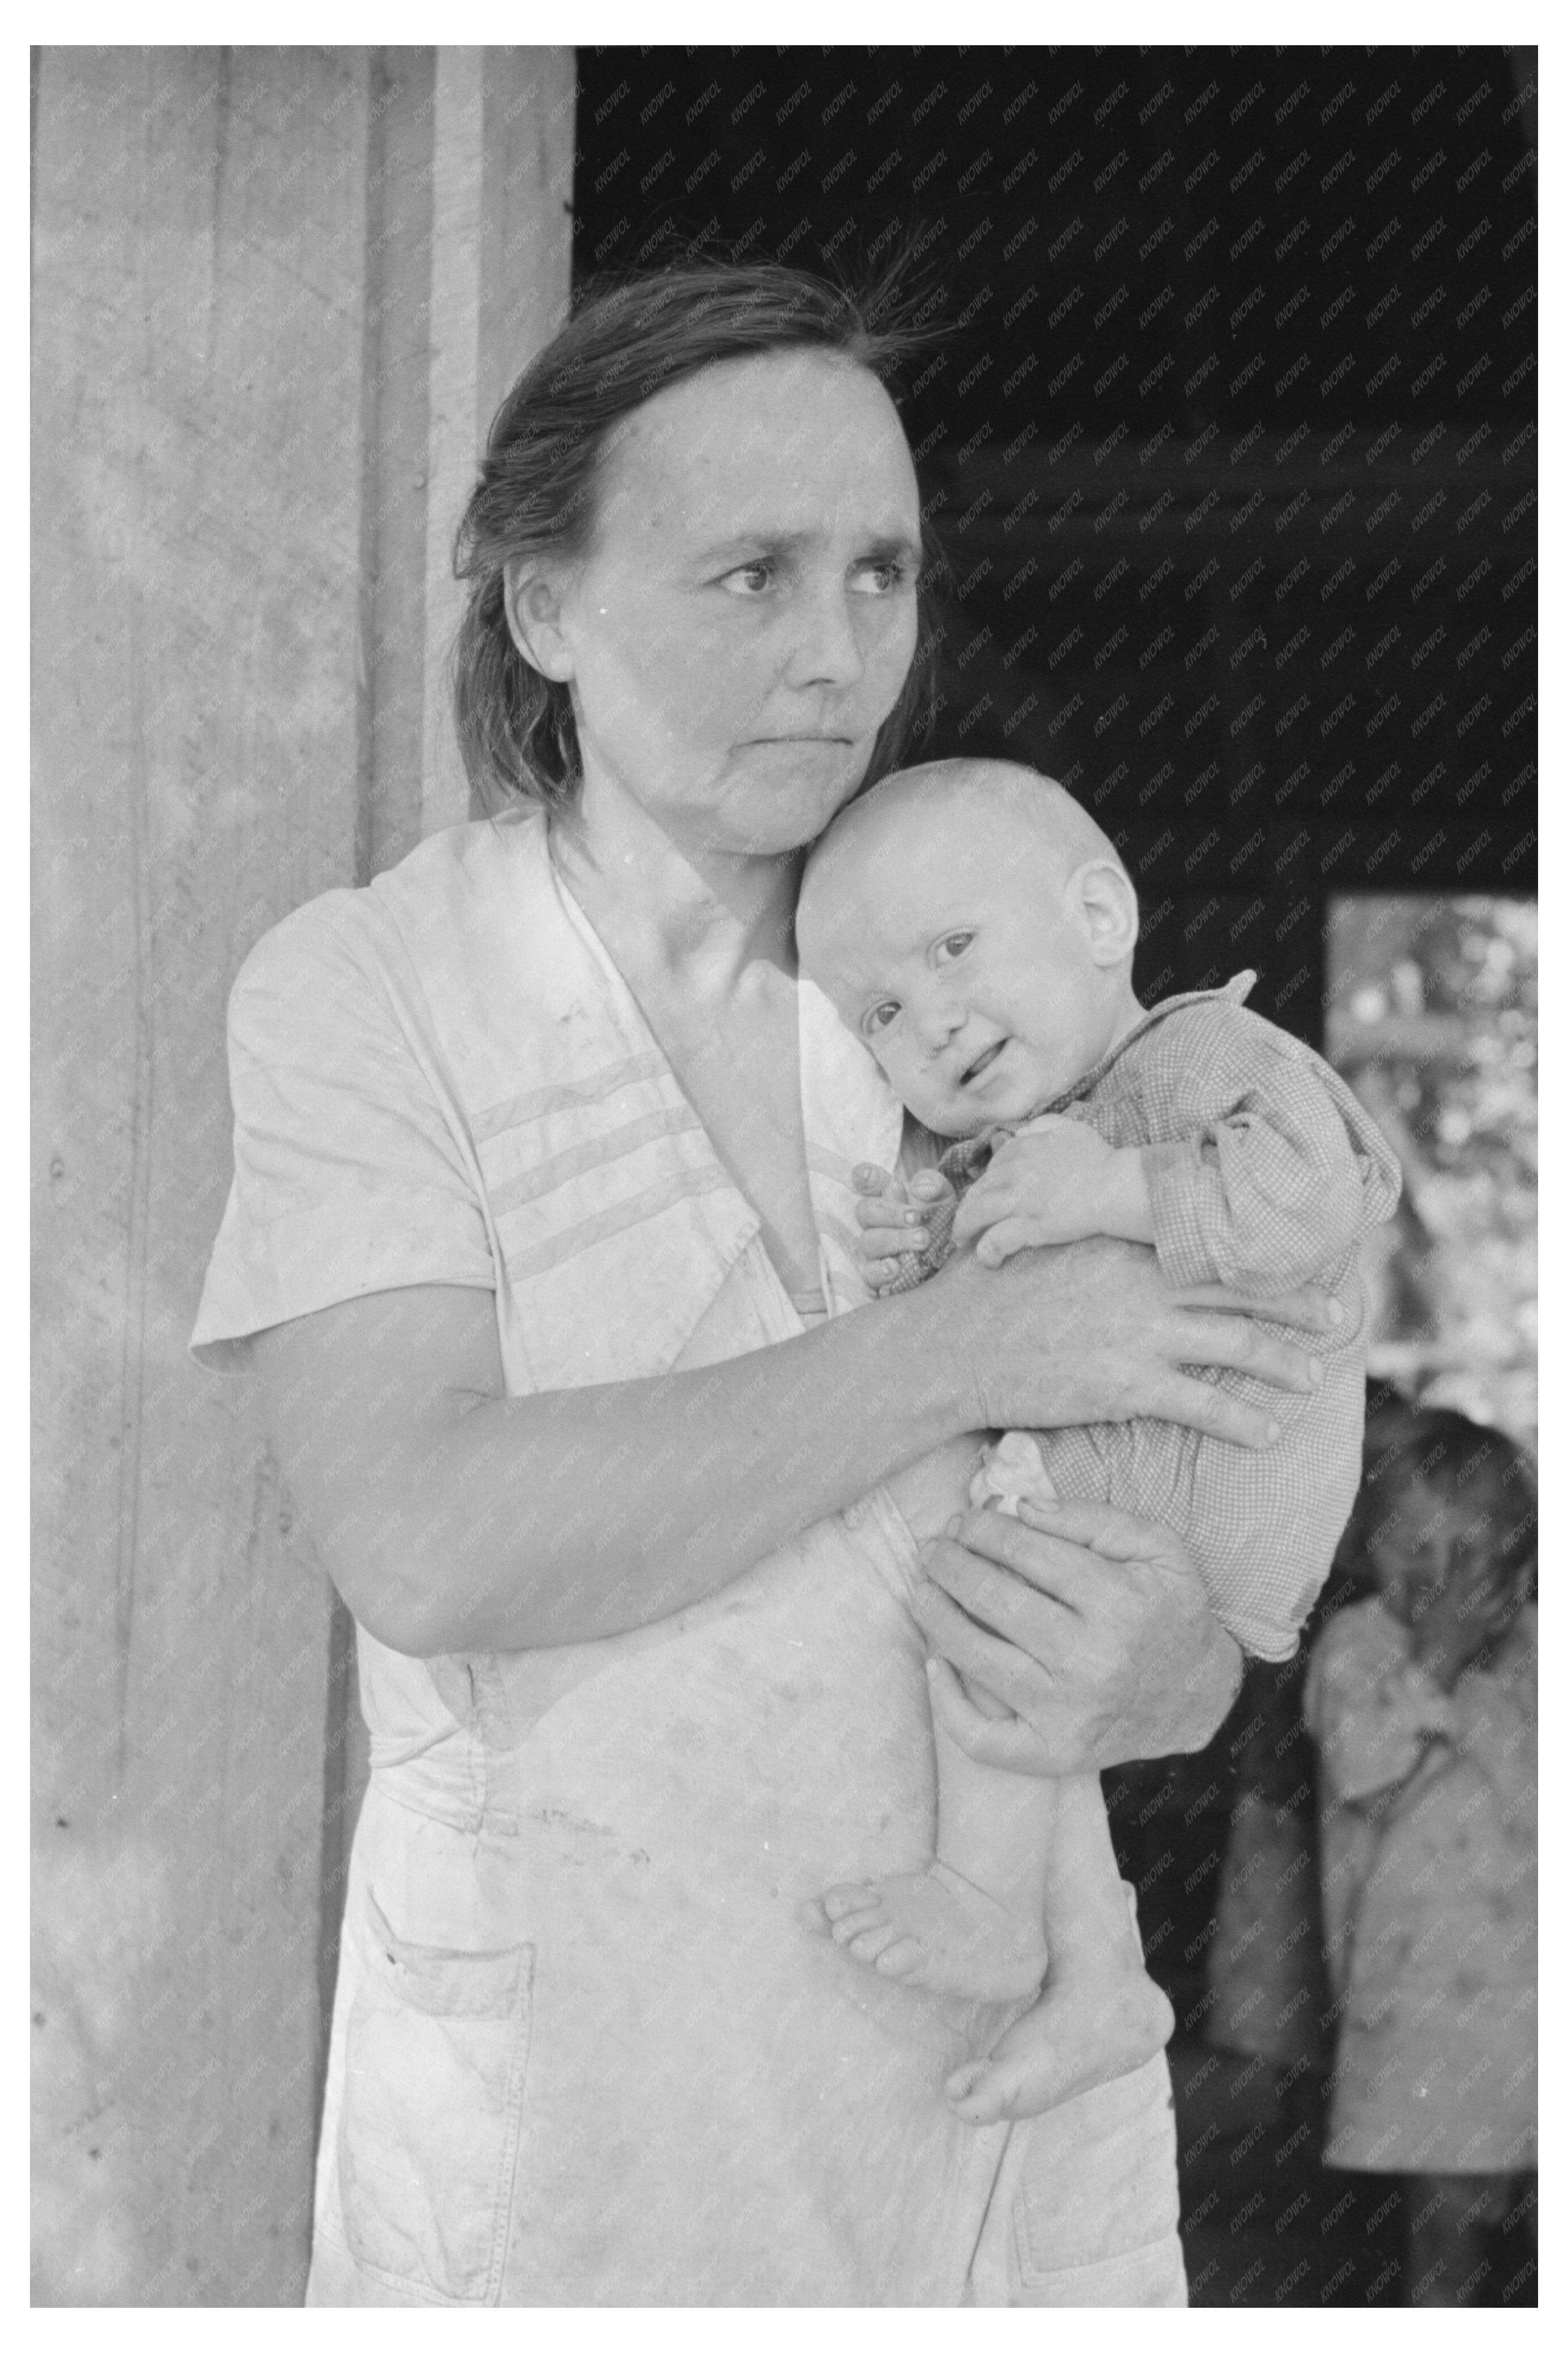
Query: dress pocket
[[436, 2059]]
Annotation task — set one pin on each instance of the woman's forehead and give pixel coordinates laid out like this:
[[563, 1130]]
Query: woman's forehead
[[788, 441]]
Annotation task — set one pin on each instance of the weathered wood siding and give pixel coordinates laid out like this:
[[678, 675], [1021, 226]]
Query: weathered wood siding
[[239, 409]]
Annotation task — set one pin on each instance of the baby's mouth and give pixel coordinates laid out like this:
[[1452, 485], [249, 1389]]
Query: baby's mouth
[[981, 1062]]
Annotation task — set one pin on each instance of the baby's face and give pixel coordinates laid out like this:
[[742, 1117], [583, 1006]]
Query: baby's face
[[955, 951]]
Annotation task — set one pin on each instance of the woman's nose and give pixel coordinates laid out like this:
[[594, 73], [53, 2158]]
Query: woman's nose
[[827, 649]]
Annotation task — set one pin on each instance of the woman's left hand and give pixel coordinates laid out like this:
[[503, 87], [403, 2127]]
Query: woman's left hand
[[1090, 1624]]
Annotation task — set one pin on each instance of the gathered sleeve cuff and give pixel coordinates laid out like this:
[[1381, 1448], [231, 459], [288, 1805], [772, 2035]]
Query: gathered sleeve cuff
[[1279, 1172], [352, 1173]]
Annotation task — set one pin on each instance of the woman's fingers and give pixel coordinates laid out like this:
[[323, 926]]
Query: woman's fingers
[[1204, 1407], [1014, 1580], [1307, 1310], [1101, 1528], [999, 1741], [979, 1655], [1035, 1565], [1235, 1343]]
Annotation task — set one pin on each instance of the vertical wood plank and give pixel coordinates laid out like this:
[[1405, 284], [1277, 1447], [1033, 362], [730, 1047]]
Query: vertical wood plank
[[258, 401], [500, 282], [530, 131], [457, 192], [199, 249]]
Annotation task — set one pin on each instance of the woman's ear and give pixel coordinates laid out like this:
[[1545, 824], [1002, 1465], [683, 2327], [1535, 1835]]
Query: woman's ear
[[1109, 905], [533, 619]]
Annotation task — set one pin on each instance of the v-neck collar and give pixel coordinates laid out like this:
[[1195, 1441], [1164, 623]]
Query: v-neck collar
[[849, 1114]]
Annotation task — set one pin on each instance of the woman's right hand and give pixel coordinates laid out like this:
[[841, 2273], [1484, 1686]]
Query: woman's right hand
[[1092, 1331]]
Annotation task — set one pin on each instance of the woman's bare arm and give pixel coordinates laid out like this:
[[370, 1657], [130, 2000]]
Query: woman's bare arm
[[450, 1516]]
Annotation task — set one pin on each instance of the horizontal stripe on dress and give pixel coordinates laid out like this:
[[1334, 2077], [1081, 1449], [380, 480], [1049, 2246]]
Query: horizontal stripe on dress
[[596, 1152], [686, 1184], [596, 1088]]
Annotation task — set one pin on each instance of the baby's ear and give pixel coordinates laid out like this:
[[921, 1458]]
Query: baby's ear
[[1109, 905]]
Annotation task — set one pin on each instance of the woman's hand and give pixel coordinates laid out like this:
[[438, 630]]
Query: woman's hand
[[1091, 1625], [1093, 1331]]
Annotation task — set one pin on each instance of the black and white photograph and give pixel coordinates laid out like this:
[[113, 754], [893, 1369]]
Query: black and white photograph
[[784, 947]]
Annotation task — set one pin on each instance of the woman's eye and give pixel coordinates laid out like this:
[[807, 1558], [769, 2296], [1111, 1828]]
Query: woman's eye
[[953, 946], [748, 579], [881, 1017], [882, 579]]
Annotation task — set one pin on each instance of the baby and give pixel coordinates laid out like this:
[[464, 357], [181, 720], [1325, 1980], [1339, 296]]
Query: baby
[[973, 925]]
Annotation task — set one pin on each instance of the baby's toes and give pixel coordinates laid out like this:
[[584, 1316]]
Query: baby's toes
[[856, 1924], [840, 1902], [978, 2095], [897, 1960], [869, 1943]]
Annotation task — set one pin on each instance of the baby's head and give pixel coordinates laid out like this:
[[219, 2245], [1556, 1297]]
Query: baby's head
[[974, 925]]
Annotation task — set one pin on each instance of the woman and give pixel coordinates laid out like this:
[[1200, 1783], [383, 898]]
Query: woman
[[543, 1169]]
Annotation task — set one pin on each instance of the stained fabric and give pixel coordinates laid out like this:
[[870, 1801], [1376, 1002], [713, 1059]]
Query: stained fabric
[[584, 2050]]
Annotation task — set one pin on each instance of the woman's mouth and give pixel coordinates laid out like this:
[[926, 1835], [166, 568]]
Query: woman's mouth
[[981, 1062]]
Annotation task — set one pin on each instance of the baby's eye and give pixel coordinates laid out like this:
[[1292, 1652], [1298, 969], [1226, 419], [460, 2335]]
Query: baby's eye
[[748, 579], [950, 948], [881, 1017]]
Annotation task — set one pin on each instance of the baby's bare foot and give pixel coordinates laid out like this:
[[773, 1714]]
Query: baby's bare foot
[[1084, 2031], [933, 1929]]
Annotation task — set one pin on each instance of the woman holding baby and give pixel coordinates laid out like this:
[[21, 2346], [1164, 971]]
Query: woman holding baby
[[542, 1240]]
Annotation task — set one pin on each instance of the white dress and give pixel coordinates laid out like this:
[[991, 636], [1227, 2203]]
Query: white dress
[[583, 2050]]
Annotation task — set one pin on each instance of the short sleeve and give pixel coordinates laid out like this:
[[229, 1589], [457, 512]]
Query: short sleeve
[[350, 1175]]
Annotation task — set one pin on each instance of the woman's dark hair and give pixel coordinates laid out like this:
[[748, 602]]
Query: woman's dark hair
[[627, 339], [1409, 1447]]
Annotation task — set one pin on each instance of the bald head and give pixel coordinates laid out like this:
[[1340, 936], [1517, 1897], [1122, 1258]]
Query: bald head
[[978, 889], [1025, 813]]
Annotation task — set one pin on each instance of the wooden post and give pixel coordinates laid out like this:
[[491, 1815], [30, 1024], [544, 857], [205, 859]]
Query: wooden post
[[233, 401]]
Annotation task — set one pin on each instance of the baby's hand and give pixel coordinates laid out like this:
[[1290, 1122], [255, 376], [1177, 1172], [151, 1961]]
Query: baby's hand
[[892, 1218], [1058, 1181]]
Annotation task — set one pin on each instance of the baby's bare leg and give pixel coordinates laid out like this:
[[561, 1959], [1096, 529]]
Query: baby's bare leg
[[1100, 2015], [972, 1922]]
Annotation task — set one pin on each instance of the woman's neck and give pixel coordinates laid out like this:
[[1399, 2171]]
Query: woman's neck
[[705, 914]]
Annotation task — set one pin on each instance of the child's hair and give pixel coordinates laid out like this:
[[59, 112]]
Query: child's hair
[[1410, 1446], [627, 339]]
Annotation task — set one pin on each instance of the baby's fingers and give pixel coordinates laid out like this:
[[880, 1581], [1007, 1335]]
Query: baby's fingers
[[892, 1242], [1003, 1241], [868, 1178], [983, 1205]]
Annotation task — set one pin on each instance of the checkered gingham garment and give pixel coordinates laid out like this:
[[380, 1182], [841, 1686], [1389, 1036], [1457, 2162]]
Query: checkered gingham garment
[[1263, 1173]]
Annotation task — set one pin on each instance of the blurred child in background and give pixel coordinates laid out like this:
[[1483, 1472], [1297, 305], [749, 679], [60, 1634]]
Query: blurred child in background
[[1422, 1702]]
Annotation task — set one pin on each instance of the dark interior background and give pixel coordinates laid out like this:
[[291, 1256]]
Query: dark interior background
[[1229, 446]]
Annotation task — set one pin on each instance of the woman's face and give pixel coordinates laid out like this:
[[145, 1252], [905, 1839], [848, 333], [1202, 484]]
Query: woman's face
[[745, 618]]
